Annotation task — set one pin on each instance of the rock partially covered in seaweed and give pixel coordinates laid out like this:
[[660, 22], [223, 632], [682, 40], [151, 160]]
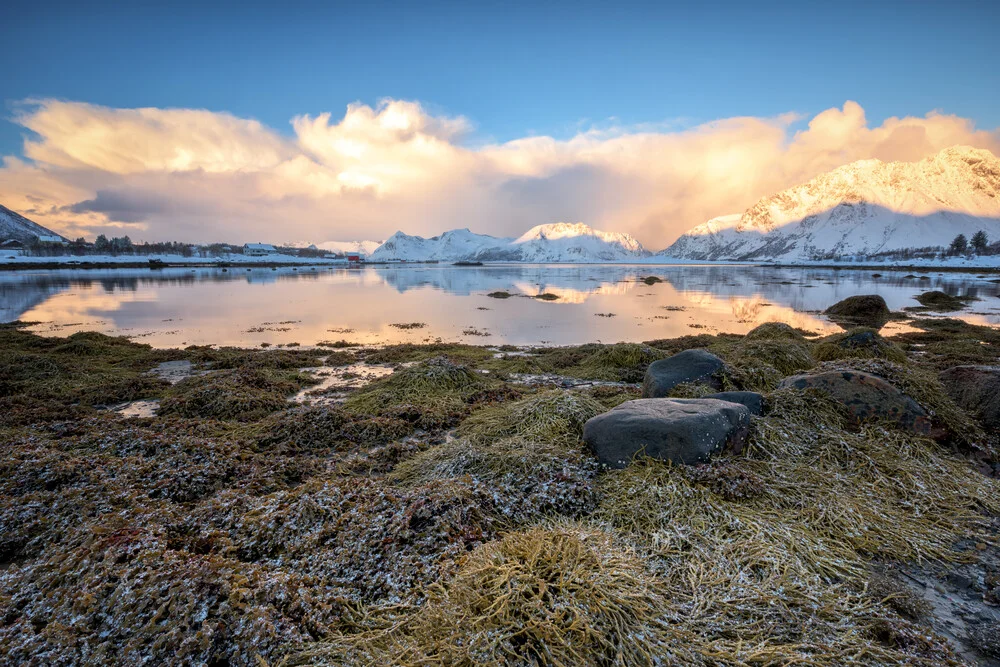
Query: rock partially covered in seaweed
[[867, 397], [866, 310], [672, 429], [689, 366], [753, 401], [940, 302], [976, 389], [860, 343]]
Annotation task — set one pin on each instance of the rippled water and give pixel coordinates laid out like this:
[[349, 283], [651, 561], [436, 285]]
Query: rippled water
[[172, 307]]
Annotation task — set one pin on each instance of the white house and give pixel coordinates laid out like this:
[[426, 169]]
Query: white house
[[47, 238], [258, 249]]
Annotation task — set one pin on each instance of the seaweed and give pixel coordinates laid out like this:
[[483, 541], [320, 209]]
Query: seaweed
[[555, 417], [940, 302], [619, 362], [323, 429], [858, 343], [925, 388], [564, 595], [409, 352], [235, 527], [244, 394], [433, 394]]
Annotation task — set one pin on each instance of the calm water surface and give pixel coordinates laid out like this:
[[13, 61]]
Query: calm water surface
[[174, 307]]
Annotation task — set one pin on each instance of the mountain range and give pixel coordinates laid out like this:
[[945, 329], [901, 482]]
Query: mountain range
[[342, 247], [15, 226], [863, 208], [557, 242]]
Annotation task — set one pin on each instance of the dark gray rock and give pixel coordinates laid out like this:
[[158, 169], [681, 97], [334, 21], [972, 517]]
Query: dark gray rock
[[867, 310], [976, 389], [862, 338], [697, 366], [682, 430], [753, 401], [868, 396]]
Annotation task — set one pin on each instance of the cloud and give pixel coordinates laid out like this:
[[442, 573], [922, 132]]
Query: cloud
[[201, 175]]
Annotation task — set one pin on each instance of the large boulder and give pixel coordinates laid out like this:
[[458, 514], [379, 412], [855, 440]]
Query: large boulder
[[867, 310], [681, 430], [694, 366], [753, 401], [976, 389], [868, 396]]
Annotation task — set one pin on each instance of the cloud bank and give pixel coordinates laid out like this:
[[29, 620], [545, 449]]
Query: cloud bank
[[187, 174]]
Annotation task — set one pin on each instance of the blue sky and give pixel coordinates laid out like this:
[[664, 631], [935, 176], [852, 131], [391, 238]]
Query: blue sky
[[338, 121], [513, 69]]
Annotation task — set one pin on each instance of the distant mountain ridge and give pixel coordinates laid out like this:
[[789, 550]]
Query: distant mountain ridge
[[863, 208], [341, 247], [556, 242], [13, 225]]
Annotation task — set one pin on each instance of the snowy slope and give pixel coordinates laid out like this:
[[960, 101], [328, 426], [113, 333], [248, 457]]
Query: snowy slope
[[862, 208], [340, 247], [455, 245], [558, 242], [16, 226]]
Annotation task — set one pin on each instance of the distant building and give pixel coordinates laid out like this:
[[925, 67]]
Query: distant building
[[258, 249], [46, 238], [355, 257]]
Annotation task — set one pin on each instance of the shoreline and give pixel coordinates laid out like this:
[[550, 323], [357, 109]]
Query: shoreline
[[76, 262]]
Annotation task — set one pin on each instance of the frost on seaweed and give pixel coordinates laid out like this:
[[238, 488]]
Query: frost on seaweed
[[565, 595], [524, 455], [243, 394], [433, 394], [555, 417]]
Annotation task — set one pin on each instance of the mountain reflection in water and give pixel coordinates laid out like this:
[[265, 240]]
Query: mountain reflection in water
[[183, 306]]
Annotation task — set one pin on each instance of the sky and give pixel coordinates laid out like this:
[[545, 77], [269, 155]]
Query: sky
[[336, 121]]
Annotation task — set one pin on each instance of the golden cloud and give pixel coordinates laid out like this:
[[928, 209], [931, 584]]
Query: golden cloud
[[201, 175]]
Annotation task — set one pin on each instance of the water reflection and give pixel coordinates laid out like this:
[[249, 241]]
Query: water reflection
[[172, 307]]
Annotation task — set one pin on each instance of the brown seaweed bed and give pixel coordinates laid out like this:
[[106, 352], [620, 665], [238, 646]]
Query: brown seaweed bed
[[447, 514]]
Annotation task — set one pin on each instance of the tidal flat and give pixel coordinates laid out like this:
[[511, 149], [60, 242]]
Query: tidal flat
[[433, 503]]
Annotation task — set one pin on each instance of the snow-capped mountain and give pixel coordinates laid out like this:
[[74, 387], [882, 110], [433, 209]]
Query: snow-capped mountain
[[341, 247], [558, 242], [454, 245], [863, 208], [16, 226]]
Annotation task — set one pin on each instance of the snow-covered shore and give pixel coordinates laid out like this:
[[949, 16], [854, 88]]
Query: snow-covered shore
[[988, 263], [173, 260]]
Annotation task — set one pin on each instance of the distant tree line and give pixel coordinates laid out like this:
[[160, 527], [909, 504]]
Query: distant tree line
[[979, 245], [123, 245], [960, 246]]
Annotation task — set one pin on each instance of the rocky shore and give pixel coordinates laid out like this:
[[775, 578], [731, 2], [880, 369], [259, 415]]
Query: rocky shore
[[769, 499]]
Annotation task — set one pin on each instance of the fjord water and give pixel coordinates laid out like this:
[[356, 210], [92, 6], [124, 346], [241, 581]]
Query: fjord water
[[607, 303]]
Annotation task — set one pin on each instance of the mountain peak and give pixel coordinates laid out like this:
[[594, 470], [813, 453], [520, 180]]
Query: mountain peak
[[865, 207], [13, 225], [963, 152], [553, 242]]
